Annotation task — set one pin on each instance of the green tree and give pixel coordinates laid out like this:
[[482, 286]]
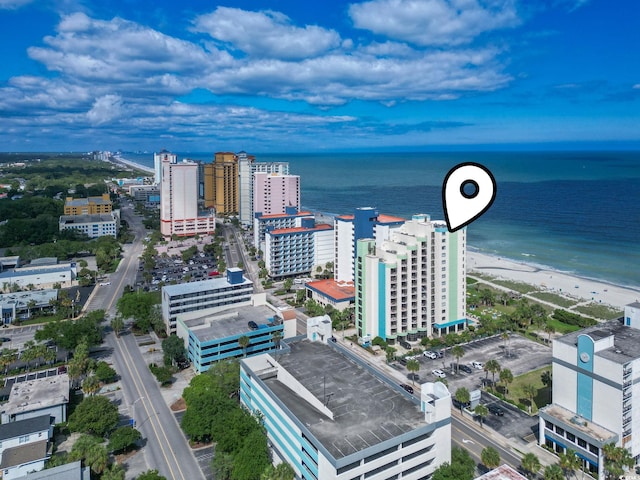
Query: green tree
[[90, 385], [253, 457], [7, 357], [481, 411], [506, 377], [163, 374], [553, 472], [94, 415], [547, 381], [222, 466], [549, 330], [91, 450], [569, 462], [390, 353], [530, 464], [461, 467], [244, 342], [114, 472], [283, 471], [490, 457], [492, 366], [276, 337], [463, 396], [413, 366], [458, 352], [104, 372], [173, 350], [530, 392], [151, 475], [616, 460], [117, 324], [123, 439], [288, 283]]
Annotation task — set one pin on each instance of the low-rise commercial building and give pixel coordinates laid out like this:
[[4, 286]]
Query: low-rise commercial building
[[34, 398], [194, 299], [330, 417], [214, 337], [340, 295], [37, 275], [92, 225], [23, 304]]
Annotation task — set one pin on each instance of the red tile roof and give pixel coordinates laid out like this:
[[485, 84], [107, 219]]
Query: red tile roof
[[333, 289]]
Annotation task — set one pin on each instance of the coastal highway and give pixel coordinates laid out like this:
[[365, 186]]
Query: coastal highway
[[166, 448]]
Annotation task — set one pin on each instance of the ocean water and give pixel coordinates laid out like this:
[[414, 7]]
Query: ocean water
[[577, 212]]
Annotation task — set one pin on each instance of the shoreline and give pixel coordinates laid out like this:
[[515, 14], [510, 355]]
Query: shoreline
[[130, 163], [548, 279]]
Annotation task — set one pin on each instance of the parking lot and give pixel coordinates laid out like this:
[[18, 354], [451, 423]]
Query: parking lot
[[175, 270], [518, 354]]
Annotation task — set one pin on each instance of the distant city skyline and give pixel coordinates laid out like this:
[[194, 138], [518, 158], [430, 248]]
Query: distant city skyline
[[286, 76]]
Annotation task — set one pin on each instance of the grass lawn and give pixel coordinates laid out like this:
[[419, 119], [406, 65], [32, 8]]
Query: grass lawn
[[562, 327], [599, 311], [555, 299], [516, 392]]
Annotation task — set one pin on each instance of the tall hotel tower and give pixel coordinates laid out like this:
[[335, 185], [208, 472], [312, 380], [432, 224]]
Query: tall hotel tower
[[413, 285], [179, 200]]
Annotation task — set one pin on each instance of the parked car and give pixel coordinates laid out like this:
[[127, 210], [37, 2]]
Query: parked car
[[465, 368], [478, 365], [439, 373], [458, 404], [495, 409], [413, 376], [402, 361], [430, 354], [252, 325], [408, 388]]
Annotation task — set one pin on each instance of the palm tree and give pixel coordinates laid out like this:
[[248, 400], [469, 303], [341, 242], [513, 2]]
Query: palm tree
[[50, 356], [547, 381], [549, 330], [530, 463], [276, 337], [90, 385], [458, 353], [553, 472], [7, 357], [530, 392], [413, 366], [244, 342], [30, 304], [117, 324], [505, 339], [494, 367], [506, 377], [569, 462], [463, 396], [615, 460], [481, 411], [490, 457]]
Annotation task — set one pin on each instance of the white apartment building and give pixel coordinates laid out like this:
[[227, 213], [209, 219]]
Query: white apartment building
[[596, 387], [179, 200], [158, 158], [413, 285], [194, 299], [92, 225], [298, 250], [331, 418], [247, 166], [366, 222]]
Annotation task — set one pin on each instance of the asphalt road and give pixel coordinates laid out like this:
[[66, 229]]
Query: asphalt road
[[166, 448]]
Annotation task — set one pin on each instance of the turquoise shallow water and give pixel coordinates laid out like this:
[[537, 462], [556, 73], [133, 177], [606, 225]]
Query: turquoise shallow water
[[573, 211]]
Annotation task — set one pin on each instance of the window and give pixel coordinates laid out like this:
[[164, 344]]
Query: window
[[571, 437], [582, 443], [560, 431], [23, 439]]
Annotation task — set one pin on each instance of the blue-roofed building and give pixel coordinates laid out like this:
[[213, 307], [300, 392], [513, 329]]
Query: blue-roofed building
[[194, 299], [214, 337]]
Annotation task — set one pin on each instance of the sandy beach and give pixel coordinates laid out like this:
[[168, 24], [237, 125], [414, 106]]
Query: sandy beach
[[135, 165], [573, 286]]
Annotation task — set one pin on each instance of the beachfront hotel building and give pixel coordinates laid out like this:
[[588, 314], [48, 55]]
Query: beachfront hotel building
[[329, 415], [298, 250], [291, 218], [158, 158], [366, 222], [273, 193], [194, 299], [412, 285], [88, 206], [179, 213], [596, 387], [221, 184], [247, 167]]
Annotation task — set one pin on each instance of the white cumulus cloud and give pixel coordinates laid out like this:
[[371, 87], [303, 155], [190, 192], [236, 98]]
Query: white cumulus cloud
[[434, 22], [105, 109], [266, 34]]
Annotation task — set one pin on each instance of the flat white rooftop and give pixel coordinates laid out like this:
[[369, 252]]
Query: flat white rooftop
[[37, 394]]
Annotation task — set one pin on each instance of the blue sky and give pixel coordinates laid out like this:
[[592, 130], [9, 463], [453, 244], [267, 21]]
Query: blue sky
[[285, 75]]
